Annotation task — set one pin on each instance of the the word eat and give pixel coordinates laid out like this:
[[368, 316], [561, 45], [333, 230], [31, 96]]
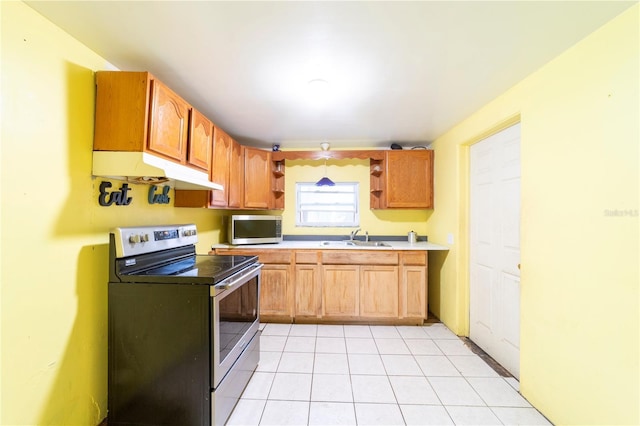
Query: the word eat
[[119, 198]]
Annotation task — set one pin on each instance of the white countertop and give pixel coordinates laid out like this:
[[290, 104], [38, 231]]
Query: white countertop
[[311, 244]]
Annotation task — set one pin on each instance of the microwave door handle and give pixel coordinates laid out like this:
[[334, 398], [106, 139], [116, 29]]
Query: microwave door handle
[[242, 277]]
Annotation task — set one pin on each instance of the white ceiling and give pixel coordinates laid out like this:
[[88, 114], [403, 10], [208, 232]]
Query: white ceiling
[[397, 71]]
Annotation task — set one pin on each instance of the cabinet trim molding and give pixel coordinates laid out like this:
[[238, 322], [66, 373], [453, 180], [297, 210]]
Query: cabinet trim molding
[[327, 155]]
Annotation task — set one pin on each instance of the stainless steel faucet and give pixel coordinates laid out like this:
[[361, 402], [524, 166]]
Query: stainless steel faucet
[[353, 234]]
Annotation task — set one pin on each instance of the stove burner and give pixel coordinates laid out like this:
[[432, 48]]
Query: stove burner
[[166, 254]]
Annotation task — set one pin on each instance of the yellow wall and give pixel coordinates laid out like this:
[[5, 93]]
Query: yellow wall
[[53, 232], [580, 278], [376, 222]]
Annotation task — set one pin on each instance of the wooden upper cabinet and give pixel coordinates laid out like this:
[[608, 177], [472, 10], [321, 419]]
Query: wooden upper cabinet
[[226, 169], [408, 177], [220, 167], [137, 112], [243, 172], [236, 176], [122, 111], [200, 141], [257, 178], [168, 130]]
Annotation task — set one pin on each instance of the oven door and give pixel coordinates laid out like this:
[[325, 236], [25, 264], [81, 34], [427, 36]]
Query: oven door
[[235, 319]]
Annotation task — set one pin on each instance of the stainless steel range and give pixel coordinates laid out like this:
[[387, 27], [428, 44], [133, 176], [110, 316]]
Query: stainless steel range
[[183, 328]]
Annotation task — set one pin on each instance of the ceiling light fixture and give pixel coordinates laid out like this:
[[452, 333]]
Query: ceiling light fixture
[[318, 90], [318, 84], [325, 181]]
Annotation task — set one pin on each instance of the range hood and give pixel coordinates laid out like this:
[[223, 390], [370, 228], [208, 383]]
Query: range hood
[[141, 167]]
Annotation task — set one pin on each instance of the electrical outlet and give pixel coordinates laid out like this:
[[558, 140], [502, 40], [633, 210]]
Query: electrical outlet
[[449, 238]]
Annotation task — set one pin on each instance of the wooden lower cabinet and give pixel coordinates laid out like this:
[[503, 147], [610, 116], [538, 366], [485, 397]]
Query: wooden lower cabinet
[[276, 287], [340, 292], [379, 291], [307, 301], [414, 292], [413, 284], [341, 285], [274, 292]]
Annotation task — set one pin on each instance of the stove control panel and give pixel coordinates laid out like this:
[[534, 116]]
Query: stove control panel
[[138, 238], [132, 241]]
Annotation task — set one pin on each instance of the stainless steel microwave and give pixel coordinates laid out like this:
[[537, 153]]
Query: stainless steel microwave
[[255, 229]]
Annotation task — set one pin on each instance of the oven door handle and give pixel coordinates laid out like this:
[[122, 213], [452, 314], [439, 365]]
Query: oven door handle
[[239, 278]]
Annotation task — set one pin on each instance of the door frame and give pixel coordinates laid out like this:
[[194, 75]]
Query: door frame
[[464, 213]]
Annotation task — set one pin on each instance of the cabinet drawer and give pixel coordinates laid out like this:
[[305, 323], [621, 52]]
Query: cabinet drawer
[[275, 256], [306, 257], [414, 258], [267, 257], [350, 257]]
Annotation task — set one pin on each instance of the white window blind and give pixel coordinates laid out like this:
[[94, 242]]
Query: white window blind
[[327, 205]]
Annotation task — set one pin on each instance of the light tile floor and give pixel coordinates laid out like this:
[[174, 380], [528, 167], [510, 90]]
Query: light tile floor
[[376, 375]]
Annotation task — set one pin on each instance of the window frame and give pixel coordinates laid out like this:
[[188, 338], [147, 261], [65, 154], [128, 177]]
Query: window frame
[[327, 189]]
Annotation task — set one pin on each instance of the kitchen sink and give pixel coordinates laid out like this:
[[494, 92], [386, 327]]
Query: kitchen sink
[[354, 243], [369, 243], [337, 243]]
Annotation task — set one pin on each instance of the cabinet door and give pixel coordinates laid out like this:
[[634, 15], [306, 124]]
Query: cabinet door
[[379, 291], [168, 129], [307, 291], [274, 290], [340, 291], [414, 291], [220, 167], [122, 111], [409, 179], [200, 141], [257, 179], [236, 176]]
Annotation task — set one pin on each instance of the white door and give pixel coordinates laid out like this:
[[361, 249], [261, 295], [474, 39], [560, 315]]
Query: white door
[[495, 247]]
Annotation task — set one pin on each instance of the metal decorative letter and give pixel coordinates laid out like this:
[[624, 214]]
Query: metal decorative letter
[[159, 198], [120, 197]]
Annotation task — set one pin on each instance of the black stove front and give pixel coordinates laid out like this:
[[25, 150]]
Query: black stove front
[[183, 328]]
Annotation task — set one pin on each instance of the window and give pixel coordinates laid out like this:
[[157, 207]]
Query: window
[[327, 205]]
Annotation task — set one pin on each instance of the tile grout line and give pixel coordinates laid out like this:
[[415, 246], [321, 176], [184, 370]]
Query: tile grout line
[[313, 368], [413, 356], [429, 381]]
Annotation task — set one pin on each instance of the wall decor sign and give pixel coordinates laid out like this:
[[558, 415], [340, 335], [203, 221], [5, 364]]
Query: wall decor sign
[[119, 197], [161, 198]]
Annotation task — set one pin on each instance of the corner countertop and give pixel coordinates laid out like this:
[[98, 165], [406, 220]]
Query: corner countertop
[[317, 244]]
